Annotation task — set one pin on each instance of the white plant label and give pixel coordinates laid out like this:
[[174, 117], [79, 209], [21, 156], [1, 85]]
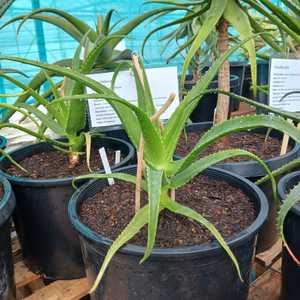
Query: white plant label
[[285, 78], [117, 157], [162, 81], [106, 165]]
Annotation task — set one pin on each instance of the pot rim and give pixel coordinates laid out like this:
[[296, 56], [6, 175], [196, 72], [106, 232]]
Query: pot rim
[[203, 249], [282, 190], [7, 202], [24, 181]]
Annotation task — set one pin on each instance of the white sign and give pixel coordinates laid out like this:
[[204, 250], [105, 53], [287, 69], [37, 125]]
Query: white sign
[[285, 78], [162, 81]]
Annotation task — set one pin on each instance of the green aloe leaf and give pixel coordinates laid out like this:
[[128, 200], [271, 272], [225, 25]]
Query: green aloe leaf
[[178, 119], [235, 15], [285, 114], [154, 179], [240, 124], [45, 119], [106, 23], [288, 167], [81, 26], [135, 225], [284, 16], [202, 164], [120, 176], [18, 109], [177, 208], [291, 199], [35, 84], [212, 18], [34, 134], [57, 21]]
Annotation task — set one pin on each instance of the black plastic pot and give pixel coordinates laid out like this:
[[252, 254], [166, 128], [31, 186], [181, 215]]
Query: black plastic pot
[[7, 205], [49, 244], [290, 289], [206, 107], [253, 171], [196, 272], [238, 68], [262, 79]]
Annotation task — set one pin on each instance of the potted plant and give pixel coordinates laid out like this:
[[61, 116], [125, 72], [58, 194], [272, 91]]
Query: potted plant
[[156, 145], [163, 174], [7, 205], [43, 185], [164, 184]]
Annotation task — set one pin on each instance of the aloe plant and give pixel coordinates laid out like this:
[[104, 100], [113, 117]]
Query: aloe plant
[[164, 175], [210, 17], [286, 17]]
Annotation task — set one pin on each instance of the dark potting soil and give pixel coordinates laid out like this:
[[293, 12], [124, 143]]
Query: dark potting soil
[[250, 141], [228, 208], [55, 164]]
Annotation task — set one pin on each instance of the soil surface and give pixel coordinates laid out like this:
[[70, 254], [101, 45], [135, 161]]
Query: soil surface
[[250, 141], [227, 207], [55, 164]]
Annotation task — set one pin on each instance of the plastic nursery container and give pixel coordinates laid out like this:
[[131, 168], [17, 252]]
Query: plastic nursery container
[[50, 246], [290, 278], [252, 170], [196, 272], [204, 111], [7, 205]]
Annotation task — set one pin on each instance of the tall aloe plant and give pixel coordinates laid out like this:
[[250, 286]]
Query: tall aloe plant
[[163, 173], [215, 16], [286, 17]]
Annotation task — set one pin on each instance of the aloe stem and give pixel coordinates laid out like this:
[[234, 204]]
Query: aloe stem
[[222, 109]]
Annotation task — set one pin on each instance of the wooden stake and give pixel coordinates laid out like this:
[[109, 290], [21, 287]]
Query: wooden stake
[[166, 105], [285, 140], [140, 152]]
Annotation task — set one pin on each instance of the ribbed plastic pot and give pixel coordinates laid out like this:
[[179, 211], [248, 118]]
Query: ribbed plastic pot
[[204, 111], [253, 171], [187, 273], [7, 205], [50, 246], [290, 272]]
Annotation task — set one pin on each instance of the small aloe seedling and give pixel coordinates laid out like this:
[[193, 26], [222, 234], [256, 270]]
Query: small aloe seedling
[[163, 175]]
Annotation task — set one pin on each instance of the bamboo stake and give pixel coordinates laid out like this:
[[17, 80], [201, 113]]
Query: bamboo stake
[[166, 105], [140, 152], [285, 140]]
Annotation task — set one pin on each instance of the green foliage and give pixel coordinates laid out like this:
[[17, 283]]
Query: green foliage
[[162, 173], [198, 28], [97, 45]]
